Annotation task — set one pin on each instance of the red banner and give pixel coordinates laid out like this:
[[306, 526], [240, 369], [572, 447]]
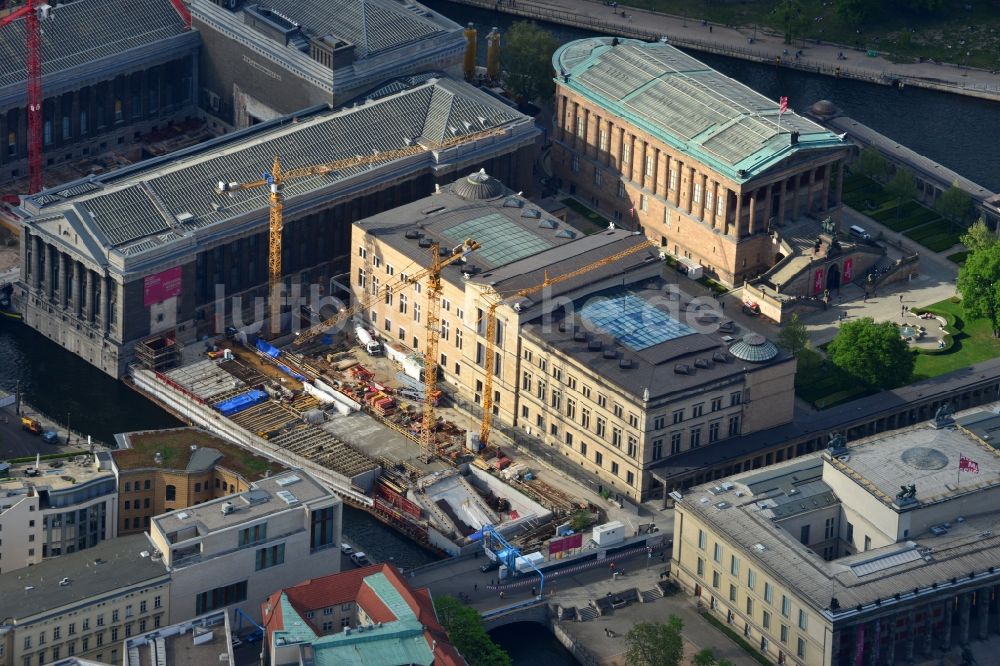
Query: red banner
[[818, 281], [158, 288], [566, 543], [397, 500], [848, 269]]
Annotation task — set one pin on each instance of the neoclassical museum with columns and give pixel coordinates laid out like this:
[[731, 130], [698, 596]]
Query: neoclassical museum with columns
[[709, 169], [876, 552]]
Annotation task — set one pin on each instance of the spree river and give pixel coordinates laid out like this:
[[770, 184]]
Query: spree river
[[947, 128]]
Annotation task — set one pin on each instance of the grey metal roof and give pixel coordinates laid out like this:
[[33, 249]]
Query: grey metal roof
[[110, 565], [203, 459], [143, 207], [87, 30], [371, 25], [687, 104]]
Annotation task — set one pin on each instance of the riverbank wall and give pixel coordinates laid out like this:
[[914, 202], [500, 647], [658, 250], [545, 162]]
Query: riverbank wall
[[766, 47]]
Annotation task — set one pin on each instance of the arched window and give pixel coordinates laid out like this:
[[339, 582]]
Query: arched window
[[171, 493], [12, 144], [118, 111]]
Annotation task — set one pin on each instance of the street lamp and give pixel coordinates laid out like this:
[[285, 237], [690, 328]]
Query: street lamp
[[68, 414]]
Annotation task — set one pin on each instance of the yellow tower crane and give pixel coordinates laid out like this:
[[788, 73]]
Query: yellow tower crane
[[275, 181], [491, 326]]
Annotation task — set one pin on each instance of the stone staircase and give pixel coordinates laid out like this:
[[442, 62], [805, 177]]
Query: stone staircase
[[585, 613], [646, 596]]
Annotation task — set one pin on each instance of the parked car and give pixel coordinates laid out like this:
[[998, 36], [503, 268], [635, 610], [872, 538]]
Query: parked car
[[50, 437], [490, 566], [346, 548], [360, 559]]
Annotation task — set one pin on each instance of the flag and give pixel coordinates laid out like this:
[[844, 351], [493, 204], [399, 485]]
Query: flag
[[968, 465], [632, 211], [782, 104]]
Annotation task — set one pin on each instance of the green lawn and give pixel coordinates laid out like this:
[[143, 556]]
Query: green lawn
[[938, 236], [593, 221], [828, 386], [961, 27], [974, 342], [958, 257]]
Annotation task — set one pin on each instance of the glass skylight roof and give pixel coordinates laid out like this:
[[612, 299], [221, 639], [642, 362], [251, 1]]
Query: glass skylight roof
[[633, 322], [502, 240]]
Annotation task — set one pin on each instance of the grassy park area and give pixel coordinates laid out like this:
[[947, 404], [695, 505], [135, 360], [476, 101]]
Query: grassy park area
[[972, 342]]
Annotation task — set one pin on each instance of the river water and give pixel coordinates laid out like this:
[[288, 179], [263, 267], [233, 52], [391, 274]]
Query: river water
[[950, 129]]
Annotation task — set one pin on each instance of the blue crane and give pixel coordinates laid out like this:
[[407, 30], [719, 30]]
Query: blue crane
[[497, 547]]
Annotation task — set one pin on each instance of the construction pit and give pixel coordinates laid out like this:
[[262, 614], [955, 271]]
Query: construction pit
[[358, 417]]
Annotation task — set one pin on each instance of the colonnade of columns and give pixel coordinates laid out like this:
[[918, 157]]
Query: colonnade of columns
[[68, 284]]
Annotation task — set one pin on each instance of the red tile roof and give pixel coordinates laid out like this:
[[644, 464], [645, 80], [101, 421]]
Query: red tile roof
[[347, 586]]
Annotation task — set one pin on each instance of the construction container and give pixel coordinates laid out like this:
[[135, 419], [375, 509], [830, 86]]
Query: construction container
[[608, 534], [500, 463], [525, 562]]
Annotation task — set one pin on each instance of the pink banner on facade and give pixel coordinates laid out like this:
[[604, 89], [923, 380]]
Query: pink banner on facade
[[818, 281], [566, 543], [158, 288], [848, 269]]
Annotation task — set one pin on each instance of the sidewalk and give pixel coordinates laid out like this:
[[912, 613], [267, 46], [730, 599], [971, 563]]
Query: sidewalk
[[739, 43]]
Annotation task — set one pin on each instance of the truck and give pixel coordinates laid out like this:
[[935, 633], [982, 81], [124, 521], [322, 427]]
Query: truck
[[31, 425], [372, 346]]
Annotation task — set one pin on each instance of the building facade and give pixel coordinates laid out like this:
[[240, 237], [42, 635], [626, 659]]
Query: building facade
[[232, 552], [877, 552], [84, 604], [561, 373], [151, 250], [159, 471], [704, 166], [262, 62], [63, 507], [112, 72]]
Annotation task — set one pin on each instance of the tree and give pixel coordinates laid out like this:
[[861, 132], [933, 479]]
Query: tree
[[581, 520], [465, 629], [870, 163], [707, 658], [793, 336], [873, 353], [979, 284], [978, 236], [954, 204], [853, 11], [655, 644], [527, 61], [902, 186], [789, 12]]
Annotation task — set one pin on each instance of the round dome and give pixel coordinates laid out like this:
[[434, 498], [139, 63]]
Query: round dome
[[921, 457], [754, 347], [478, 185], [824, 109]]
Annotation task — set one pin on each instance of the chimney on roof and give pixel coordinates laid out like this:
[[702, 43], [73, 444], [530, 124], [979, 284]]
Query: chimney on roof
[[794, 137]]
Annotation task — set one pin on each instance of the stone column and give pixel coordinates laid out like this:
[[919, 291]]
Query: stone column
[[631, 157], [586, 131], [36, 259], [74, 114], [795, 195], [60, 281], [825, 200], [996, 616], [964, 617], [703, 182], [811, 191], [911, 634], [840, 182], [690, 190], [77, 272], [872, 653], [88, 296], [983, 612], [573, 124], [678, 169], [927, 638], [890, 632], [946, 628], [105, 304], [661, 177], [22, 134], [738, 218], [781, 201], [751, 224], [768, 205], [56, 133], [835, 640]]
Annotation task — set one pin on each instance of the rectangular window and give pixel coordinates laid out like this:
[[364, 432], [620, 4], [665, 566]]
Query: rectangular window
[[614, 468], [598, 458], [702, 539], [616, 437], [768, 592], [575, 164], [784, 633], [804, 534], [803, 620], [220, 597], [598, 177], [580, 126], [269, 557], [732, 592], [632, 448], [695, 437], [643, 203], [717, 553], [734, 425], [657, 448], [701, 567], [621, 190], [602, 139], [766, 621], [252, 535], [675, 443], [721, 207], [571, 408], [749, 606], [630, 478], [786, 606], [650, 165], [708, 201], [850, 534], [828, 529], [678, 416], [673, 179], [734, 565], [735, 398], [716, 404], [715, 579], [320, 536], [713, 431], [800, 648], [697, 193], [601, 426], [626, 153], [751, 578], [585, 417]]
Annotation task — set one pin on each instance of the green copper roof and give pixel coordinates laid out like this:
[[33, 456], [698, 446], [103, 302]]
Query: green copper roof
[[687, 104], [296, 629]]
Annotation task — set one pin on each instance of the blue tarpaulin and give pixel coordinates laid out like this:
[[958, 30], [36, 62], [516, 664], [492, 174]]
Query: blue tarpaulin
[[241, 402], [268, 348], [288, 371]]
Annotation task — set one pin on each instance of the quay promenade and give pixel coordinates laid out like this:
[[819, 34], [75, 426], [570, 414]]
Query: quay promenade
[[768, 47]]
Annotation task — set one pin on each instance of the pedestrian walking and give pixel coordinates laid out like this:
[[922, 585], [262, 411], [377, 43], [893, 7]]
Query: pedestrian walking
[[501, 594], [710, 28], [722, 304], [533, 593], [475, 587]]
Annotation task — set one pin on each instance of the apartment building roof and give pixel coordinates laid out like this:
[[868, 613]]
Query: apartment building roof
[[109, 566], [650, 341], [403, 625], [965, 553], [53, 475], [202, 641], [687, 104], [267, 496], [169, 204], [188, 449], [87, 31]]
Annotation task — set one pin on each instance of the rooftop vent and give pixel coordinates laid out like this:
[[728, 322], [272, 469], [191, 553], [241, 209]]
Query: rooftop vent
[[535, 214], [625, 363], [288, 480], [721, 357], [580, 336], [287, 496], [610, 353], [412, 234], [939, 530], [424, 242], [682, 369], [759, 547], [721, 505], [513, 202], [595, 345], [228, 508], [703, 363], [433, 210], [184, 217]]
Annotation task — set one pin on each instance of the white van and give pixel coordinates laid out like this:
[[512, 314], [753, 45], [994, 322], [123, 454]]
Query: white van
[[859, 232]]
